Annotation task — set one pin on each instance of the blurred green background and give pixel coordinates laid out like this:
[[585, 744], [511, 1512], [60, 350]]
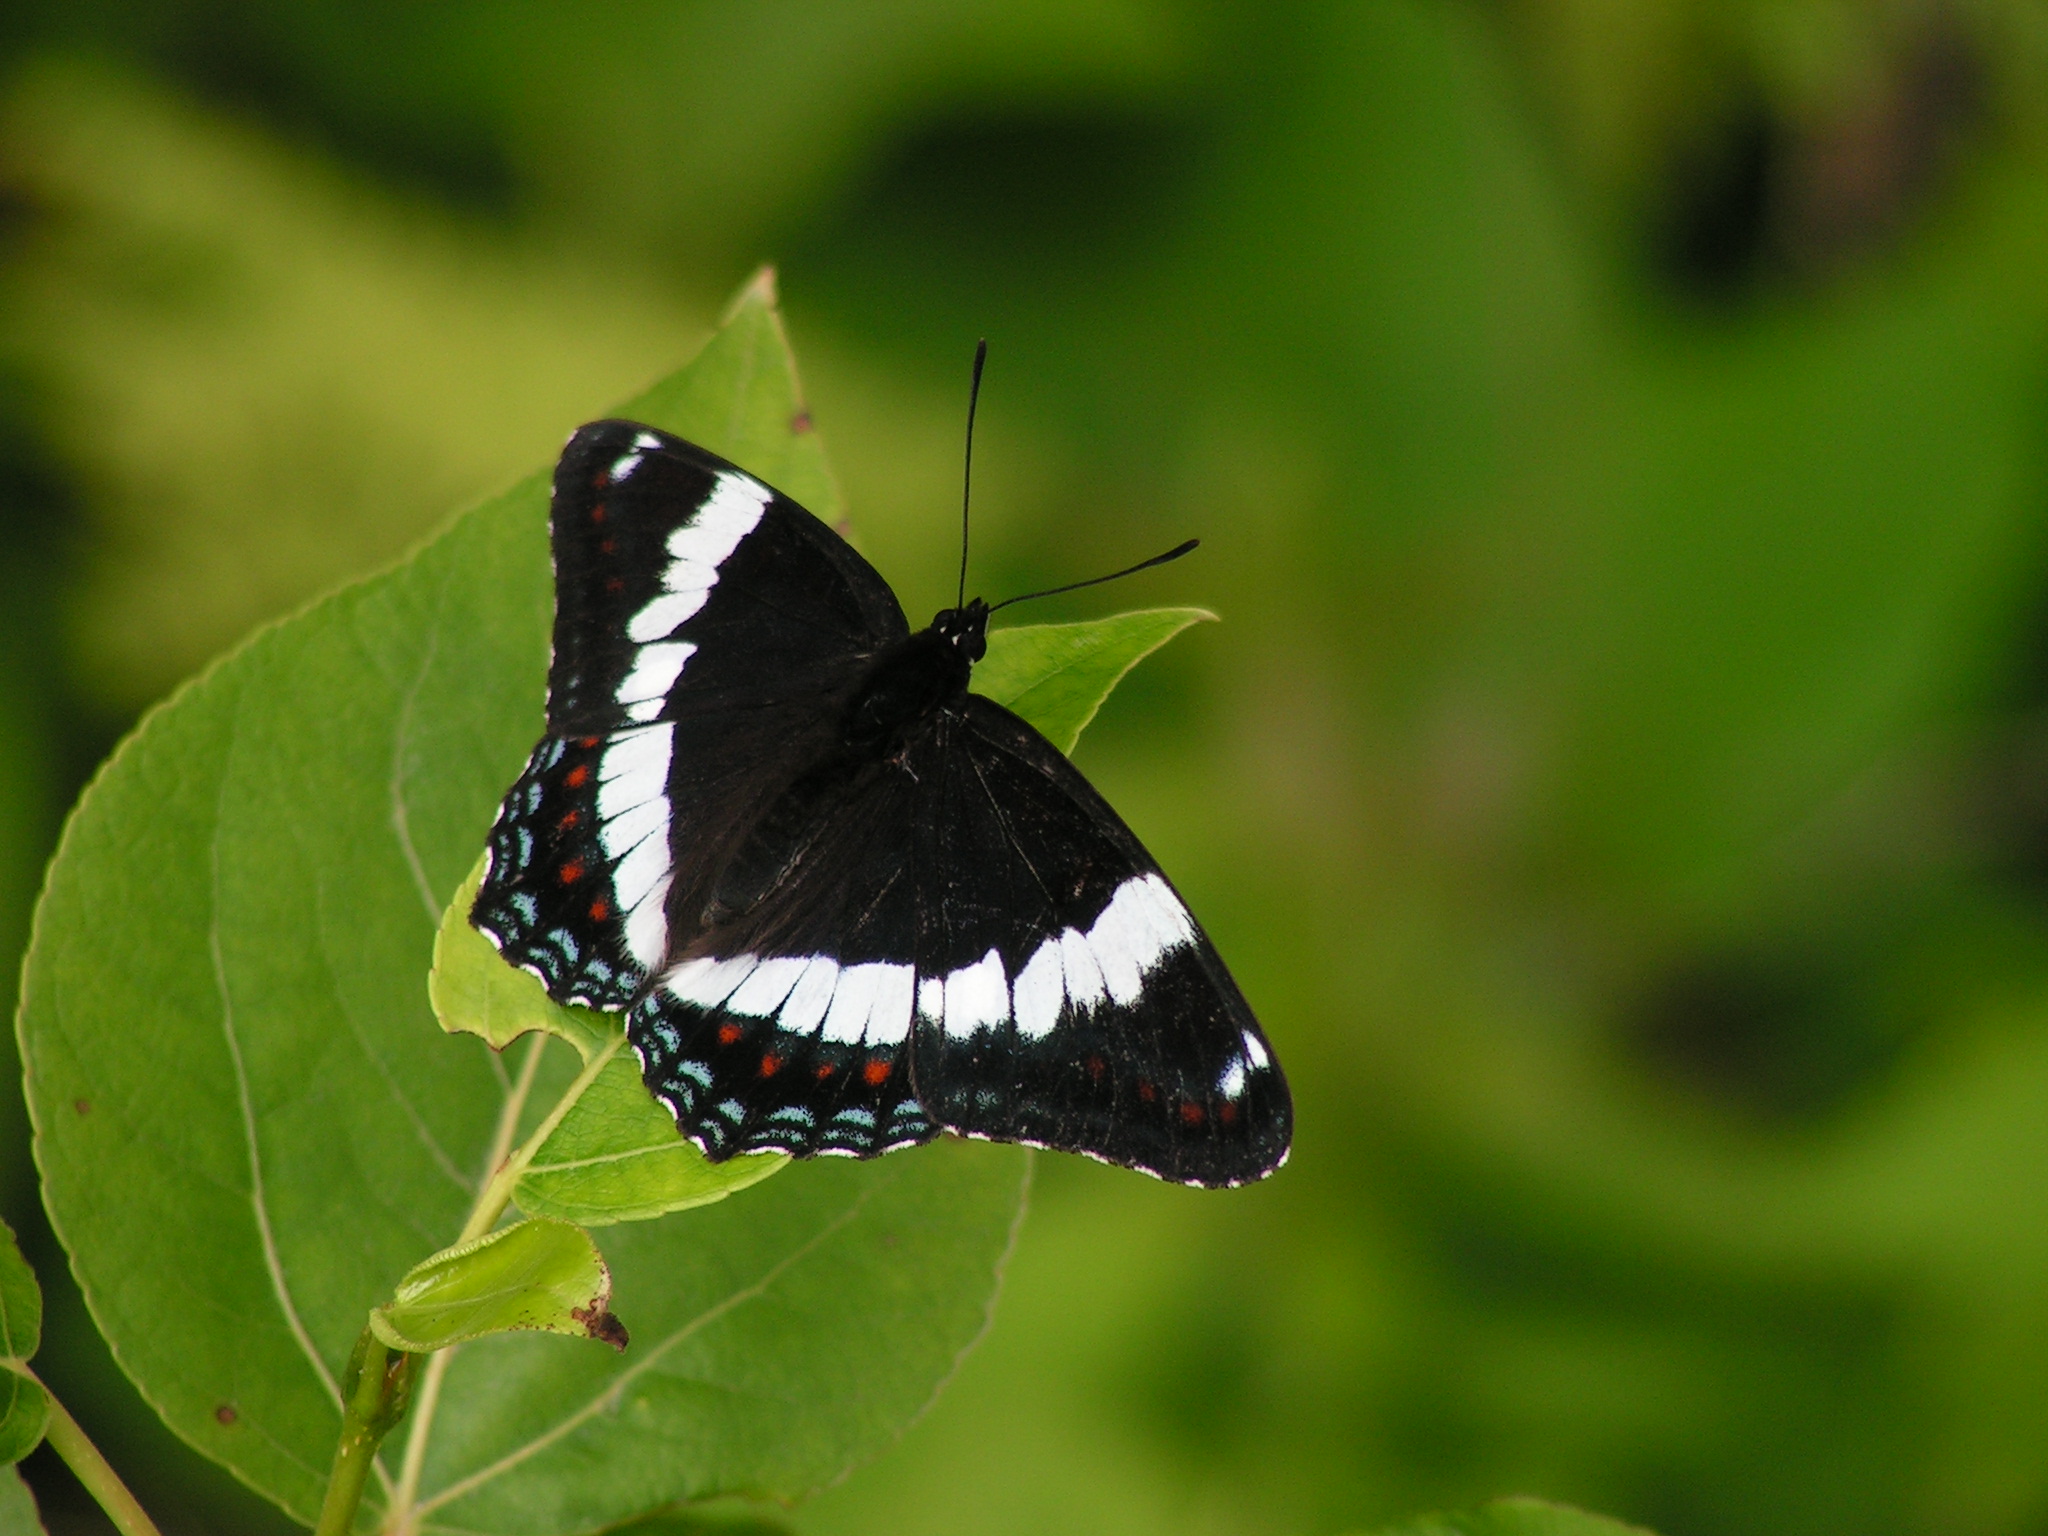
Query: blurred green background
[[1618, 430]]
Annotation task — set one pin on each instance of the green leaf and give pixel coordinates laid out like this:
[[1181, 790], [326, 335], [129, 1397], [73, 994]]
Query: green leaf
[[250, 1125], [732, 1520], [1057, 675], [474, 991], [21, 1302], [18, 1515], [540, 1274], [617, 1156], [24, 1412], [1515, 1517], [24, 1406]]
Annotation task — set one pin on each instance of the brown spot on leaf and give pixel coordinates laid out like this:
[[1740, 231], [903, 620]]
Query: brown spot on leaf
[[603, 1326], [800, 423], [83, 1106], [225, 1414]]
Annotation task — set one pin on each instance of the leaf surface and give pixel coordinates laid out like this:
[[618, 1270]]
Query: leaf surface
[[1515, 1517], [24, 1406], [1057, 675], [617, 1156], [541, 1275], [18, 1515], [250, 1126]]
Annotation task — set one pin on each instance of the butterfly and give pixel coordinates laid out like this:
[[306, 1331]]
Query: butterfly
[[844, 903]]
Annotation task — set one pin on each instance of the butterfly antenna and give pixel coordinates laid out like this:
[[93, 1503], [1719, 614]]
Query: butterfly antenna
[[967, 478], [1095, 581]]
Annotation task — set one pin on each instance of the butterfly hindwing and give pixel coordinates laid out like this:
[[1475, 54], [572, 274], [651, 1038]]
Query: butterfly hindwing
[[705, 628], [964, 937], [1066, 997], [787, 1027]]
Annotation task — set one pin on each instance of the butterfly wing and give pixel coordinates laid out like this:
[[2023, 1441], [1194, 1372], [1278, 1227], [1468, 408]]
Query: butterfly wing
[[785, 1026], [706, 629], [1066, 997], [961, 937]]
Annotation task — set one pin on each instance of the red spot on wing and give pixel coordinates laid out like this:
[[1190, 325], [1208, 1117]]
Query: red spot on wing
[[569, 820], [1191, 1113], [571, 872], [597, 512], [600, 910], [587, 742], [578, 776], [876, 1073], [609, 547], [1096, 1067], [1146, 1091], [1228, 1113], [825, 1070], [770, 1065], [615, 584], [728, 1033]]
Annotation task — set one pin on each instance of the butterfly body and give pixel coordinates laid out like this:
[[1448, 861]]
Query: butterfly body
[[844, 902]]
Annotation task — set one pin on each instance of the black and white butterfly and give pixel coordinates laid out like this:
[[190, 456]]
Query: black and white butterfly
[[844, 903]]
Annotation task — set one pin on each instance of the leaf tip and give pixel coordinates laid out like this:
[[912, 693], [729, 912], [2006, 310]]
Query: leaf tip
[[759, 289]]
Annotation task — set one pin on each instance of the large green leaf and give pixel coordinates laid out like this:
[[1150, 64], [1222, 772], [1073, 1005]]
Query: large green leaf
[[18, 1515], [541, 1276], [1057, 675], [250, 1127], [1515, 1517], [23, 1404]]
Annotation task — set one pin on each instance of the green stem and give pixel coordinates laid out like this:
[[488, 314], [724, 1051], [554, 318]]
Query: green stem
[[491, 1202], [374, 1394], [69, 1441], [497, 1194]]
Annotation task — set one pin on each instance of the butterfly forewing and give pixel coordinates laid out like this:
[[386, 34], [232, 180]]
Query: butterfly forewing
[[705, 630]]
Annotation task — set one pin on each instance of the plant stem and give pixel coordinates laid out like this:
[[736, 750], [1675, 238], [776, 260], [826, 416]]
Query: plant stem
[[491, 1201], [373, 1396], [497, 1194], [69, 1441], [437, 1365]]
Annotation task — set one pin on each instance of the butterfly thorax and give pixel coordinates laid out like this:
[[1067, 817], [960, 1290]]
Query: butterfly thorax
[[917, 676]]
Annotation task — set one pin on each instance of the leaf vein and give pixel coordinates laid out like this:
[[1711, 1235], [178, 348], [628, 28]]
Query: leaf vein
[[401, 818], [608, 1399], [273, 1261]]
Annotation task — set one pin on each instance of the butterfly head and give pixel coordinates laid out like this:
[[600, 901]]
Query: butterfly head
[[965, 629]]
